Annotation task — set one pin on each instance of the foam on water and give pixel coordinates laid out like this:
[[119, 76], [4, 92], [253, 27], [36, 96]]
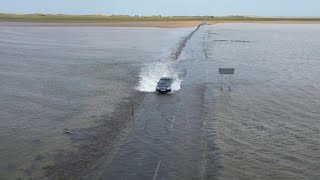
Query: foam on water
[[151, 73]]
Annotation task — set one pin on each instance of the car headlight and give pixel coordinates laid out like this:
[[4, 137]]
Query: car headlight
[[168, 87], [158, 87]]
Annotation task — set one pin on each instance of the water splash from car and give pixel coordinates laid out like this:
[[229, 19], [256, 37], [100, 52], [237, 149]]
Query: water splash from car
[[151, 73]]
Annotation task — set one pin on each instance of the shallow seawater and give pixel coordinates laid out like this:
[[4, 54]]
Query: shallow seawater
[[266, 126], [57, 79]]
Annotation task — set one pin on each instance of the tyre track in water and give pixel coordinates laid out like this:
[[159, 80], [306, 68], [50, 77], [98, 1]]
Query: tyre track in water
[[150, 73]]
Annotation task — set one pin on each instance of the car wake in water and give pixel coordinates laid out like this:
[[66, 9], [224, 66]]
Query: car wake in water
[[151, 73]]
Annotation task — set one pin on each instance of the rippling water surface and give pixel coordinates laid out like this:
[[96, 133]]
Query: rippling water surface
[[58, 79], [265, 127]]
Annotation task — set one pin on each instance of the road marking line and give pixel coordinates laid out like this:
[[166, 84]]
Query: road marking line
[[156, 173], [172, 121]]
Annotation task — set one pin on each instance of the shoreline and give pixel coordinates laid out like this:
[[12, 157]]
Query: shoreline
[[155, 24], [151, 24], [101, 20]]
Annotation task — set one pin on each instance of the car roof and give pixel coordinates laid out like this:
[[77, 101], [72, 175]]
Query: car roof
[[166, 78]]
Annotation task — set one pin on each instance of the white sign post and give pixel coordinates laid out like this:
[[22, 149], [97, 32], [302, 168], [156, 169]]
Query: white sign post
[[223, 71]]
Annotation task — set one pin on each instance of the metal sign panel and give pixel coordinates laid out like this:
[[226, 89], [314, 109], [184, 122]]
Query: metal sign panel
[[226, 70]]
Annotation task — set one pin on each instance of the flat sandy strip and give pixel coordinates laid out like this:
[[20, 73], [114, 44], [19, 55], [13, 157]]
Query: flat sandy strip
[[157, 24], [276, 22]]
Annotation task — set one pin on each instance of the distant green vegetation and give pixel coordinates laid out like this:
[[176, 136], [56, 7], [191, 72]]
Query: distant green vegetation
[[110, 18]]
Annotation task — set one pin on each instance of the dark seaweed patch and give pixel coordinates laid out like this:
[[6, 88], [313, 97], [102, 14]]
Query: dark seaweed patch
[[225, 40]]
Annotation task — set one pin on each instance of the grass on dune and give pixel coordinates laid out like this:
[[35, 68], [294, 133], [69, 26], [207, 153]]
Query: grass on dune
[[105, 18]]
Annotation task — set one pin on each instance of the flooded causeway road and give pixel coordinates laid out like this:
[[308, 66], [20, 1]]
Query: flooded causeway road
[[265, 127]]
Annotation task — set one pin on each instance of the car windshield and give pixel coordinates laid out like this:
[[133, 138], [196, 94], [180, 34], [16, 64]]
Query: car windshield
[[164, 81]]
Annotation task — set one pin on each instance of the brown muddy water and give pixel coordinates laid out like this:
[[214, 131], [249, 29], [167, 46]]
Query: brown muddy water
[[67, 95]]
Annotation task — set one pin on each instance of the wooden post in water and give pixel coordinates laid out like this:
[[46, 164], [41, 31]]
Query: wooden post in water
[[229, 81], [132, 110], [221, 81]]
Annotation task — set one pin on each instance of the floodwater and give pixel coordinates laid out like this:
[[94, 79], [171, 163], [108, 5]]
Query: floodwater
[[56, 81], [59, 79]]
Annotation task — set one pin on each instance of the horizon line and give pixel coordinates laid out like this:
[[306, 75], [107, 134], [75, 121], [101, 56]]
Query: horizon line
[[159, 15]]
